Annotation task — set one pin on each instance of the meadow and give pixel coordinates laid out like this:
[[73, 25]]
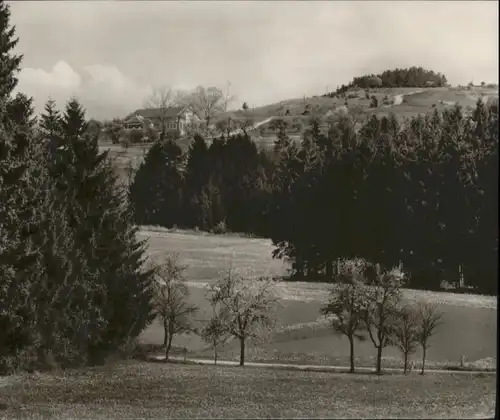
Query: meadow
[[302, 335], [160, 390]]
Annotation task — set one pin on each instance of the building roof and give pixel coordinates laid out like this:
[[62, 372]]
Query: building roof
[[170, 112], [134, 119]]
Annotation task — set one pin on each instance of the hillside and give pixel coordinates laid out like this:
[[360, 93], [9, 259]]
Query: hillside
[[400, 101], [403, 102]]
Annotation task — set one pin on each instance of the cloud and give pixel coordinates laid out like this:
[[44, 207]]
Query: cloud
[[62, 76], [104, 91], [268, 50]]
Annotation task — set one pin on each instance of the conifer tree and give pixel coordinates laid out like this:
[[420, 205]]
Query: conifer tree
[[196, 179], [18, 198], [118, 289], [10, 61], [51, 126], [156, 190]]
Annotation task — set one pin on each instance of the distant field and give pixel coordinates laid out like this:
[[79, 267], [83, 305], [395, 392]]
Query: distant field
[[470, 320], [157, 390]]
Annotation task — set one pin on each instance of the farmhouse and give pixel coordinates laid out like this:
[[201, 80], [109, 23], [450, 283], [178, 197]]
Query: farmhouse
[[174, 120]]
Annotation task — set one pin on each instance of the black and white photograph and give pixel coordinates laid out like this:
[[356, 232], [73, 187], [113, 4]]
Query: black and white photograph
[[248, 209]]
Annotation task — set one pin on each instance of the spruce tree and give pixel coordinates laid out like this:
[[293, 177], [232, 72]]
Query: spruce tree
[[18, 198], [10, 61], [51, 126], [117, 291], [157, 187], [73, 122], [196, 176]]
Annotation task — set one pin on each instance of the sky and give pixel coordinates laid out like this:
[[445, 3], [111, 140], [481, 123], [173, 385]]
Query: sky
[[112, 54]]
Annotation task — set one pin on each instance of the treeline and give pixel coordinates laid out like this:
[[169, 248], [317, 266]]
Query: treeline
[[222, 186], [409, 77], [73, 288], [422, 193]]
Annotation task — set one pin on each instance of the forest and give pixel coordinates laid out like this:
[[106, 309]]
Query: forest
[[420, 192], [397, 78]]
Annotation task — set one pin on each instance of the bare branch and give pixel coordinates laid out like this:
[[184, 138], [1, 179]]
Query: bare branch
[[171, 299], [162, 99], [429, 319], [249, 304], [204, 102]]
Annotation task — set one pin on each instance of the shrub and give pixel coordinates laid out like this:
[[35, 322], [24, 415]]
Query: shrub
[[136, 136], [220, 228]]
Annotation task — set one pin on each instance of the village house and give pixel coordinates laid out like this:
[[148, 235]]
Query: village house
[[174, 119]]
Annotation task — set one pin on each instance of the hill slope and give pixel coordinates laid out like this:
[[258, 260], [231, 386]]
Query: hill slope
[[403, 102]]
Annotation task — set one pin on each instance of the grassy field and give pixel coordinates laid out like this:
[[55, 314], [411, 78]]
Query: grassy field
[[302, 335], [158, 390]]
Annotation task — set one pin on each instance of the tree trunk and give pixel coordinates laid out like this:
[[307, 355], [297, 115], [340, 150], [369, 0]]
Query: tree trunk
[[168, 346], [165, 337], [242, 351], [406, 363], [215, 354], [351, 344], [379, 360], [424, 354]]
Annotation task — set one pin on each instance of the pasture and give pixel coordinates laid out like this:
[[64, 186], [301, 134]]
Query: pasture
[[302, 336], [159, 390]]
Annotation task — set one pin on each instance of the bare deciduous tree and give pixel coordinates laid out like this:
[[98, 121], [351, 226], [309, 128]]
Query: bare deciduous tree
[[429, 318], [382, 300], [245, 125], [171, 299], [215, 332], [405, 332], [162, 99], [249, 303], [347, 304], [204, 102]]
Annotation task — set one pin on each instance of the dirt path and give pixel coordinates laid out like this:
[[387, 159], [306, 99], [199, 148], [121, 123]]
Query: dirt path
[[398, 99], [316, 368], [255, 126]]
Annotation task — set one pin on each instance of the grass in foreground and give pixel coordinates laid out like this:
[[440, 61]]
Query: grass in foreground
[[133, 390]]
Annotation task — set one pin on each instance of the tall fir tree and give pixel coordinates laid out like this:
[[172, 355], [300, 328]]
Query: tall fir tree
[[10, 62], [196, 199], [117, 291], [51, 126], [18, 201], [156, 192]]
